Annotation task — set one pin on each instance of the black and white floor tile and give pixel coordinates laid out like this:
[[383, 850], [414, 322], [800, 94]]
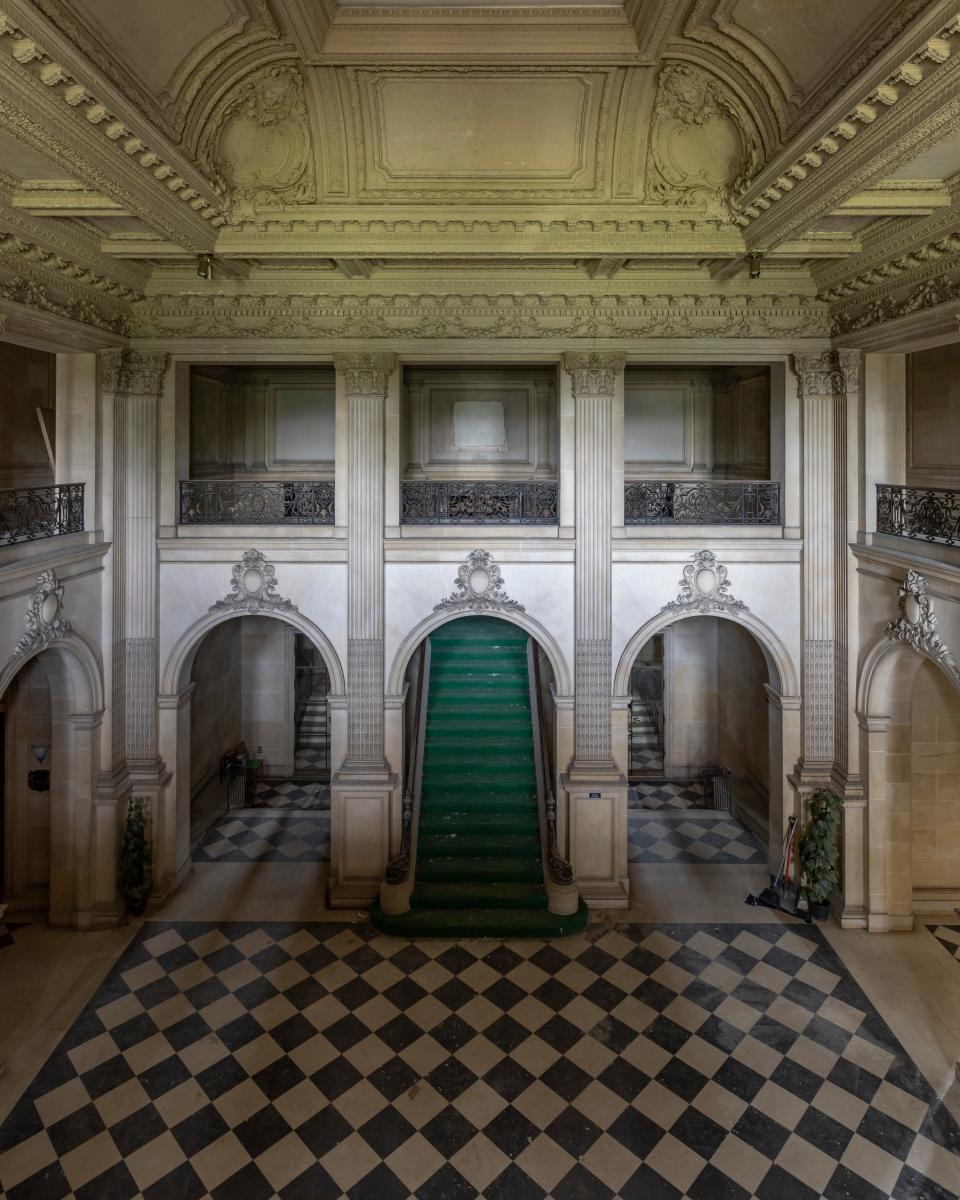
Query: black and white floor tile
[[307, 759], [646, 760], [949, 938], [657, 794], [256, 1061], [246, 837], [695, 837], [290, 793]]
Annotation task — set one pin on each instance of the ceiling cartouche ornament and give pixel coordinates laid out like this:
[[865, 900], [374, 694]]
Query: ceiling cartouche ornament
[[704, 588], [917, 624], [253, 588], [479, 587], [260, 146], [44, 620]]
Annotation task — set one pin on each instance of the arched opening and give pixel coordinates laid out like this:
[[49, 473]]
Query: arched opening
[[910, 731], [709, 727], [53, 864]]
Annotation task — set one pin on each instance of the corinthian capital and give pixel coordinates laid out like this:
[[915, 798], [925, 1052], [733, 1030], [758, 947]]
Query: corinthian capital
[[594, 374], [830, 373], [130, 373], [365, 374]]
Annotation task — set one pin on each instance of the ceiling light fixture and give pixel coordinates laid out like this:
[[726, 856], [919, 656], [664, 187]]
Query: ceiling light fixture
[[205, 266], [755, 259]]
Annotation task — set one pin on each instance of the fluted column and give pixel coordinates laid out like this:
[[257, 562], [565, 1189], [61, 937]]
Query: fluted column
[[594, 379], [828, 386], [365, 381]]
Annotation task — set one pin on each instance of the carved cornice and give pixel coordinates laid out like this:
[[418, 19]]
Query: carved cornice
[[80, 101], [894, 273], [913, 106], [24, 291], [832, 373], [30, 259], [594, 374], [853, 317], [435, 315], [365, 374], [917, 625]]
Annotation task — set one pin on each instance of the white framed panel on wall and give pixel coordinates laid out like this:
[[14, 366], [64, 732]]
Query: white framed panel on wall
[[659, 422], [301, 427]]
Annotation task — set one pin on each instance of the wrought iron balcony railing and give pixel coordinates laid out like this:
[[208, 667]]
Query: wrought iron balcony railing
[[701, 502], [929, 514], [449, 502], [27, 514], [240, 502]]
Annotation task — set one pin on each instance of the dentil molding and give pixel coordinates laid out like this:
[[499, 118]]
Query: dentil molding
[[478, 588], [704, 588], [45, 620], [253, 588], [917, 624]]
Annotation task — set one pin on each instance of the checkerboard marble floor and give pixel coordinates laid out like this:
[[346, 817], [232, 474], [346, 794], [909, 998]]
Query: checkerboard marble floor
[[949, 938], [290, 793], [254, 1061], [249, 836], [691, 837], [657, 794]]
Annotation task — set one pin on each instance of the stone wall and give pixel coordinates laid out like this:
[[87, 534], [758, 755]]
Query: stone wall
[[215, 704], [26, 814], [26, 383], [935, 781]]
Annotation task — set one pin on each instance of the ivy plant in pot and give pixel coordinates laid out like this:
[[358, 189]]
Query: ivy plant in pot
[[135, 861], [820, 852]]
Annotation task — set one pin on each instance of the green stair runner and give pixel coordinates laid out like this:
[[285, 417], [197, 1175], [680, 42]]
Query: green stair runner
[[479, 871]]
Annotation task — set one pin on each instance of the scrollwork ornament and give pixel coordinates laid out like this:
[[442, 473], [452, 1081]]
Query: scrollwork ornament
[[917, 624], [44, 620], [479, 587], [253, 588], [705, 588]]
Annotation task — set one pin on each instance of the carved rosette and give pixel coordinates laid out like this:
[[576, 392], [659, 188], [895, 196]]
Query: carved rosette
[[254, 588], [365, 374], [594, 374], [704, 148], [44, 620], [917, 624], [479, 588], [704, 588], [259, 145], [832, 373]]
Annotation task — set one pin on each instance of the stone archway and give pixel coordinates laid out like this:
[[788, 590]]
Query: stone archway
[[172, 853], [884, 711], [83, 834]]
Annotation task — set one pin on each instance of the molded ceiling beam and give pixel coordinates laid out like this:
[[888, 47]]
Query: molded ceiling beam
[[917, 200], [64, 198]]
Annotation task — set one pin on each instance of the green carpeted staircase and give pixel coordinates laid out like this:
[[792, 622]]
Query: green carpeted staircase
[[478, 867]]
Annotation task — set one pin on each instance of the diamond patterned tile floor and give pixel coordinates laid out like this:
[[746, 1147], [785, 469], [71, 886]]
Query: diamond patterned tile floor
[[307, 759], [246, 836], [657, 794], [700, 837], [949, 938], [254, 1061], [646, 760], [289, 793]]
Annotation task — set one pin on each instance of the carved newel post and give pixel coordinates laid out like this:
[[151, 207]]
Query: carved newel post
[[596, 788], [362, 787]]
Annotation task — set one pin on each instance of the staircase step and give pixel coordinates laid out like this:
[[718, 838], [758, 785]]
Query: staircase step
[[463, 843], [453, 802], [479, 922], [466, 822], [486, 869], [478, 894]]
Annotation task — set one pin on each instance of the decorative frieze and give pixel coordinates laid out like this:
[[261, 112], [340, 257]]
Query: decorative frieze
[[705, 588], [478, 588], [45, 620], [253, 588], [917, 624]]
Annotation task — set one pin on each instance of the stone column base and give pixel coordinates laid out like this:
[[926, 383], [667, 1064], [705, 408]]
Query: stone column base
[[359, 835], [597, 832]]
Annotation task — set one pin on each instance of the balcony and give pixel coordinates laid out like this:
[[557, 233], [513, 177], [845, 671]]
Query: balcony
[[28, 514], [702, 502], [926, 514], [240, 502], [447, 502]]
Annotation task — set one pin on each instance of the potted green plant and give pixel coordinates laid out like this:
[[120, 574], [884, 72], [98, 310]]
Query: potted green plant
[[820, 852], [135, 860]]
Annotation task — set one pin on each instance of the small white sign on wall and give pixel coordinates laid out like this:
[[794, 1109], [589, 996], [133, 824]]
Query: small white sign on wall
[[479, 425]]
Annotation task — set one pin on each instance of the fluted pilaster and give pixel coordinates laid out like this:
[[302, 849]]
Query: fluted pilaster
[[594, 377], [828, 384], [366, 378]]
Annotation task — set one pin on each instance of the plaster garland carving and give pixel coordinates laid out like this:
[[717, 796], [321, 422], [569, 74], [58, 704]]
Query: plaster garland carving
[[917, 624], [69, 274], [702, 146], [704, 588], [434, 315], [929, 294], [44, 620], [260, 147], [831, 373], [478, 588], [365, 374], [594, 374], [253, 588], [21, 290]]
